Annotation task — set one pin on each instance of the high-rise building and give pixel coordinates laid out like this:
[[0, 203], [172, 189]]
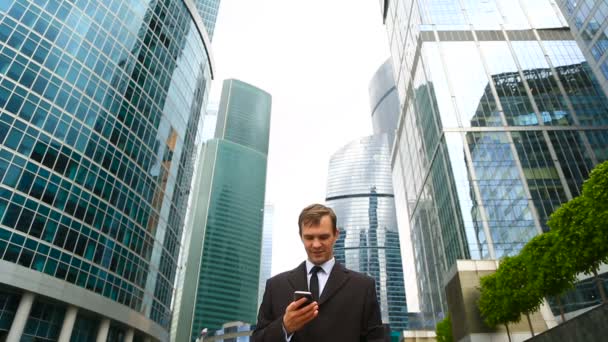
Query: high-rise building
[[208, 10], [210, 121], [100, 104], [221, 271], [266, 256], [502, 119], [385, 109], [359, 190], [587, 20], [384, 101]]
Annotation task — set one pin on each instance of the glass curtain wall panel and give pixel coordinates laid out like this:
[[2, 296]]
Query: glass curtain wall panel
[[503, 118], [100, 107], [360, 190]]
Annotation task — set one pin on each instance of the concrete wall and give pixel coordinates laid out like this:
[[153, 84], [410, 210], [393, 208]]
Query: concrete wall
[[462, 291], [589, 327]]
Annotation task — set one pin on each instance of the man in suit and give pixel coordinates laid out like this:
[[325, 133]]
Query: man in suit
[[344, 308]]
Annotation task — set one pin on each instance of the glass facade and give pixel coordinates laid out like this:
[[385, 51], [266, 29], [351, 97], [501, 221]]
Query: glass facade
[[9, 302], [85, 329], [244, 116], [99, 112], [384, 101], [502, 120], [221, 275], [359, 189], [266, 256], [208, 9], [44, 322], [587, 20], [46, 318]]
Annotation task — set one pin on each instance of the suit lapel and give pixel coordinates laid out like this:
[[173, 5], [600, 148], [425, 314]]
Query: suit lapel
[[297, 278], [337, 278]]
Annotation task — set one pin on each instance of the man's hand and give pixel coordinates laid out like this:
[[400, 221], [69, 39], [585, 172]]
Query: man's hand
[[296, 317]]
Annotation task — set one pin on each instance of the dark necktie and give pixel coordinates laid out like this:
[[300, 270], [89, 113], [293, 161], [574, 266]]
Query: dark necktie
[[314, 283]]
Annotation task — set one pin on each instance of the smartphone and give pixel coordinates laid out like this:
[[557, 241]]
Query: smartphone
[[299, 294]]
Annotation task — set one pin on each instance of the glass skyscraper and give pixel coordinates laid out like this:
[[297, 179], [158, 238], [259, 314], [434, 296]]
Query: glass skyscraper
[[208, 10], [100, 104], [359, 189], [384, 101], [266, 255], [502, 119], [221, 274], [588, 23]]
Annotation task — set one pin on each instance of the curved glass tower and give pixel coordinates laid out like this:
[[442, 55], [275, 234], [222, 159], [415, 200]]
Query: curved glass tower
[[99, 113], [384, 101], [359, 189], [221, 274]]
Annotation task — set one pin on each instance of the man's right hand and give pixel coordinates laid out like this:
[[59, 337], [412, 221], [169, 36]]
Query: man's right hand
[[296, 317]]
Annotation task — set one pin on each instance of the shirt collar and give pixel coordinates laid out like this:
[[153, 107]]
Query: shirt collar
[[326, 266]]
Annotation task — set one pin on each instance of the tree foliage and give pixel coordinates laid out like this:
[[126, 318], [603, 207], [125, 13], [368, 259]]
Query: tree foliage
[[594, 219], [443, 330], [494, 303], [548, 264], [515, 278]]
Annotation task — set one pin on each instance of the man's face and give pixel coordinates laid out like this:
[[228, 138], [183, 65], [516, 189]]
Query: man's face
[[319, 240]]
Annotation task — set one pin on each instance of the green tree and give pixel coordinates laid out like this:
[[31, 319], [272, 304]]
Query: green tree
[[523, 295], [494, 304], [509, 292], [581, 226], [595, 221], [444, 330], [550, 266], [595, 187], [490, 303], [549, 263]]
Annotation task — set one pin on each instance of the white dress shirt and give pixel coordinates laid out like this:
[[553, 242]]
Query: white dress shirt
[[322, 275]]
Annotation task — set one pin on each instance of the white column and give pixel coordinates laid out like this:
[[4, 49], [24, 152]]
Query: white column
[[129, 335], [68, 324], [545, 311], [23, 312], [104, 328]]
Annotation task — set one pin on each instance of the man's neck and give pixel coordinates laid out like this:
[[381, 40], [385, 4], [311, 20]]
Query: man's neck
[[310, 264]]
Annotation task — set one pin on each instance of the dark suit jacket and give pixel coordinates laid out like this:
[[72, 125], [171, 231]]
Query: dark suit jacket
[[348, 308]]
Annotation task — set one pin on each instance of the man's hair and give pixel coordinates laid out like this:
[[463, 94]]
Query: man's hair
[[313, 214]]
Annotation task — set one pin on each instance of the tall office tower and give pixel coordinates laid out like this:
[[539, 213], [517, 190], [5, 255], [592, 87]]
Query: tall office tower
[[210, 121], [588, 23], [502, 120], [206, 133], [221, 274], [100, 104], [359, 189], [384, 101], [266, 256], [208, 10], [385, 109]]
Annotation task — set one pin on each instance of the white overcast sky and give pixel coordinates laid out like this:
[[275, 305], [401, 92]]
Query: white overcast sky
[[316, 58]]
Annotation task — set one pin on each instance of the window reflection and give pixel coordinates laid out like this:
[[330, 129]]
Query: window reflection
[[86, 87], [360, 191]]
